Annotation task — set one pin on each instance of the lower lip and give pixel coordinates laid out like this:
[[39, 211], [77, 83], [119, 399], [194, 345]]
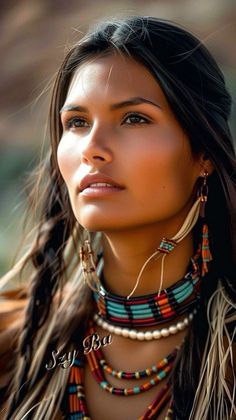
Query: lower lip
[[100, 191]]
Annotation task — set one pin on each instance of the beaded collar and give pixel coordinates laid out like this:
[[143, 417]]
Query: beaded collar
[[153, 309]]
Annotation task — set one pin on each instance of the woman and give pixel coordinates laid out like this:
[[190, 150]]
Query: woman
[[132, 287]]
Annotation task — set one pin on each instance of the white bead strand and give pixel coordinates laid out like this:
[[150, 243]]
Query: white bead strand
[[145, 335]]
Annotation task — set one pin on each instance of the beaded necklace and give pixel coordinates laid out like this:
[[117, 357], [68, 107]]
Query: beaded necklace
[[136, 312], [153, 309], [120, 374], [98, 364], [77, 403], [78, 407], [145, 335]]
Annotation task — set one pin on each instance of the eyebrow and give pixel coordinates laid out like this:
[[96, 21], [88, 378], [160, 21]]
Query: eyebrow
[[131, 101]]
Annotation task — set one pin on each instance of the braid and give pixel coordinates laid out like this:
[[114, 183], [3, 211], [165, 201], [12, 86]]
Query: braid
[[48, 260]]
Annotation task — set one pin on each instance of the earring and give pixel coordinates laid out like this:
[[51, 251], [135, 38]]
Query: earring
[[205, 248], [88, 266], [167, 245], [203, 193]]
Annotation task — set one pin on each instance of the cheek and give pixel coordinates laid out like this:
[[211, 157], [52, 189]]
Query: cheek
[[162, 172], [67, 166], [66, 160]]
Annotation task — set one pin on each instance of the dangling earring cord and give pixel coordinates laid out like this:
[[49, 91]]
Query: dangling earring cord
[[167, 245], [205, 248], [203, 194], [89, 267]]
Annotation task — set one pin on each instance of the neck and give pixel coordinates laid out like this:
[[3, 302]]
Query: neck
[[126, 252]]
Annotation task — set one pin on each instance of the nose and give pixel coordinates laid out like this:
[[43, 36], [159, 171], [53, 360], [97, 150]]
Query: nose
[[95, 148]]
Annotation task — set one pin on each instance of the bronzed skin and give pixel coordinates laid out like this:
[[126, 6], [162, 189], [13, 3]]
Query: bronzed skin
[[143, 148]]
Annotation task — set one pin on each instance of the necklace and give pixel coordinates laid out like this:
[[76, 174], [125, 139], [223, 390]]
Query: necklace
[[77, 403], [120, 374], [98, 365], [136, 312], [150, 310], [145, 335]]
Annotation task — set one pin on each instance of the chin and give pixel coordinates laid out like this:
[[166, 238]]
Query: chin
[[102, 220], [96, 220], [96, 224]]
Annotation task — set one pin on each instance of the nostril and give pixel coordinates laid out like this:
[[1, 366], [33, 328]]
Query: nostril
[[92, 154], [98, 157]]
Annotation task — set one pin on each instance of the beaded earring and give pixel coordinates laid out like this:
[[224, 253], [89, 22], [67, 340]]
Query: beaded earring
[[167, 245], [89, 266], [205, 248]]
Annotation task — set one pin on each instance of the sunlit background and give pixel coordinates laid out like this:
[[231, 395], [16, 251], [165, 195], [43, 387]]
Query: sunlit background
[[35, 35]]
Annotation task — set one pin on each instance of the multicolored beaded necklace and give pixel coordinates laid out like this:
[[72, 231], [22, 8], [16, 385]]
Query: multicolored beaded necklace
[[97, 362], [150, 310], [138, 311], [77, 402], [140, 373]]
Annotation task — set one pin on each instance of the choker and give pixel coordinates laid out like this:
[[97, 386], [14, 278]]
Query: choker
[[153, 309]]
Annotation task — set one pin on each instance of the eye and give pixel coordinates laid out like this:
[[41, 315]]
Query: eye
[[135, 119], [75, 123]]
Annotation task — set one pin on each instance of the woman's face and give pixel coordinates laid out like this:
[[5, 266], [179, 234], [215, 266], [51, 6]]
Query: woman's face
[[118, 124]]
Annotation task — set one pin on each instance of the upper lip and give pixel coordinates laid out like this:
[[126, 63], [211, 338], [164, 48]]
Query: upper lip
[[91, 179]]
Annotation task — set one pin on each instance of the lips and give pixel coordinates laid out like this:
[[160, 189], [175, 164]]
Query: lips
[[96, 178]]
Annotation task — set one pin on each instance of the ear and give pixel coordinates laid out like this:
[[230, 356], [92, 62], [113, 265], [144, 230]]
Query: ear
[[205, 164]]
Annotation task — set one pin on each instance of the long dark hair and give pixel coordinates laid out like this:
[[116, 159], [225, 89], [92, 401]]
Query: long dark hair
[[195, 89]]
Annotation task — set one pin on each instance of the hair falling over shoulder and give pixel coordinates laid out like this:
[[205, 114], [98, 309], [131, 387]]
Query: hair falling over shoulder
[[55, 303]]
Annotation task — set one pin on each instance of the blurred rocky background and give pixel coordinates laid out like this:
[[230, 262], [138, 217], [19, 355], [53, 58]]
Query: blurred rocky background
[[35, 34]]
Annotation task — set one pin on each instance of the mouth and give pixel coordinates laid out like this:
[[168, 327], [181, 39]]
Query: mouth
[[94, 187]]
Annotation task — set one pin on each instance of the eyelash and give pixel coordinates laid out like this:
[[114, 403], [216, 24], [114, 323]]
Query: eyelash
[[69, 123]]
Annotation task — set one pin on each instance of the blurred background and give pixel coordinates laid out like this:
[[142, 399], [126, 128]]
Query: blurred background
[[35, 35]]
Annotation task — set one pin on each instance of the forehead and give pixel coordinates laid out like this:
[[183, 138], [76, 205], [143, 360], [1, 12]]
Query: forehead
[[113, 76]]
